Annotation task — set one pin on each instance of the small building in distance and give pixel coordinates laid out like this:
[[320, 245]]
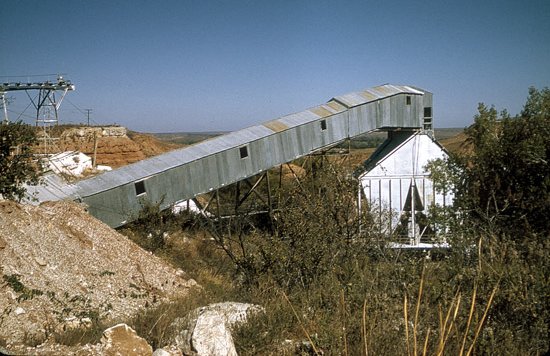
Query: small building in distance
[[395, 183]]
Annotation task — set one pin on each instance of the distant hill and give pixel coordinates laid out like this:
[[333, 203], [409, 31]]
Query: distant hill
[[453, 139], [445, 133], [456, 143], [186, 138], [369, 140]]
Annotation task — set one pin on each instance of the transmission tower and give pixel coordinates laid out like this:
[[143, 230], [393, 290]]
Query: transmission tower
[[46, 103]]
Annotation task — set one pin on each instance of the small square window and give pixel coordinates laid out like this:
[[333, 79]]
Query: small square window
[[323, 125], [243, 151], [408, 100], [428, 112], [140, 187]]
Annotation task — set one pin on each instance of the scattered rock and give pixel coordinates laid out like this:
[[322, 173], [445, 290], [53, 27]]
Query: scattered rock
[[40, 260], [168, 351], [121, 340], [59, 281], [208, 329]]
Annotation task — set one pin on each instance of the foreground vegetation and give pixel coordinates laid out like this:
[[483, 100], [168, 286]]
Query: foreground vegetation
[[329, 285], [18, 165]]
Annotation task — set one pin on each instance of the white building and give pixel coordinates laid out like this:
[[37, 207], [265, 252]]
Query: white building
[[395, 183], [72, 163]]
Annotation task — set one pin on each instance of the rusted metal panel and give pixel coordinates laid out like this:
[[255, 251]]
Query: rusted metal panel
[[276, 126], [322, 111], [336, 106], [298, 118]]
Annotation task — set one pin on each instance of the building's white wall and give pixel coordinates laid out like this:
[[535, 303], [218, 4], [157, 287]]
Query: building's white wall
[[387, 185], [73, 163]]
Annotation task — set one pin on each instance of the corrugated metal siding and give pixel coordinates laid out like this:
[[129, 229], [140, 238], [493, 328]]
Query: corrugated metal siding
[[388, 195], [187, 172], [53, 187], [387, 180]]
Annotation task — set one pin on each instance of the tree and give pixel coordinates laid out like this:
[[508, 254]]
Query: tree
[[17, 164], [501, 183], [504, 175]]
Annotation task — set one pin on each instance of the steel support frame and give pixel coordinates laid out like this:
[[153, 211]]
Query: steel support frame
[[242, 194]]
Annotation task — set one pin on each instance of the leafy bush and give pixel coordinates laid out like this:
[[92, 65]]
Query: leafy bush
[[17, 165], [502, 199], [329, 285]]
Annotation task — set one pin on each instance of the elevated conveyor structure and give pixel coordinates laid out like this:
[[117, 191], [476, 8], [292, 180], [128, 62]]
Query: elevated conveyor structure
[[46, 103], [114, 197]]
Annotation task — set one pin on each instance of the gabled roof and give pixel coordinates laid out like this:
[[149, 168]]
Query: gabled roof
[[395, 140], [376, 93]]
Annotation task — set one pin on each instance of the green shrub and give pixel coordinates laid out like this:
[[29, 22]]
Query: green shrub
[[329, 284], [17, 163]]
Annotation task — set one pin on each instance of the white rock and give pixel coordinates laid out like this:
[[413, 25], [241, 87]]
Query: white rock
[[208, 332], [168, 351], [40, 260], [212, 336], [19, 311], [123, 340]]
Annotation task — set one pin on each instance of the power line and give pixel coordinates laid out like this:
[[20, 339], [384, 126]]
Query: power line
[[86, 112], [32, 75], [76, 107], [21, 114]]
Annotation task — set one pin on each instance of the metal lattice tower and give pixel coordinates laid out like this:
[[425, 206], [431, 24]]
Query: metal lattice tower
[[46, 103]]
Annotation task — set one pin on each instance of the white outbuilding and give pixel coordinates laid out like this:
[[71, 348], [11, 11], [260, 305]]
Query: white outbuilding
[[395, 183]]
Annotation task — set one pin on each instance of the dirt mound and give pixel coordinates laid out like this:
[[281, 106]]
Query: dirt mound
[[457, 144], [291, 170], [114, 145], [61, 268], [150, 145]]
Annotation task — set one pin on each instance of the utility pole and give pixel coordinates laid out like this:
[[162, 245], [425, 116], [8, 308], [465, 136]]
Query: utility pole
[[5, 106], [88, 111], [94, 162]]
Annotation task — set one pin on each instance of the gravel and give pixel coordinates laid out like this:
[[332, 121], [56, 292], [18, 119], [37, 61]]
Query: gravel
[[61, 268]]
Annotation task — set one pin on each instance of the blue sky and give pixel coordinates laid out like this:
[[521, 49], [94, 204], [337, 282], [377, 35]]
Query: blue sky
[[161, 66]]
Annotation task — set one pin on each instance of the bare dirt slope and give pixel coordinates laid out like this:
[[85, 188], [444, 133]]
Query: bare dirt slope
[[61, 268], [457, 144], [115, 146]]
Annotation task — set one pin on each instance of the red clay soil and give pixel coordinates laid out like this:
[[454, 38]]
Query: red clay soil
[[114, 146]]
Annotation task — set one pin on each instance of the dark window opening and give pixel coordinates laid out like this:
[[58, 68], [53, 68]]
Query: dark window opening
[[428, 112], [243, 151], [408, 100], [323, 125], [140, 187], [428, 123]]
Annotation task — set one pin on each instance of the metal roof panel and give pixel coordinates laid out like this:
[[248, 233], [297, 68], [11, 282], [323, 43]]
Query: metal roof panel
[[299, 118], [158, 164]]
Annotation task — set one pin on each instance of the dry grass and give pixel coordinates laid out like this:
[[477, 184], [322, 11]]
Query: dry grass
[[328, 290]]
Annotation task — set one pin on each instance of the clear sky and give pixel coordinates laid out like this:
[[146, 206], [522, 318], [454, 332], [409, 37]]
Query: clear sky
[[162, 66]]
